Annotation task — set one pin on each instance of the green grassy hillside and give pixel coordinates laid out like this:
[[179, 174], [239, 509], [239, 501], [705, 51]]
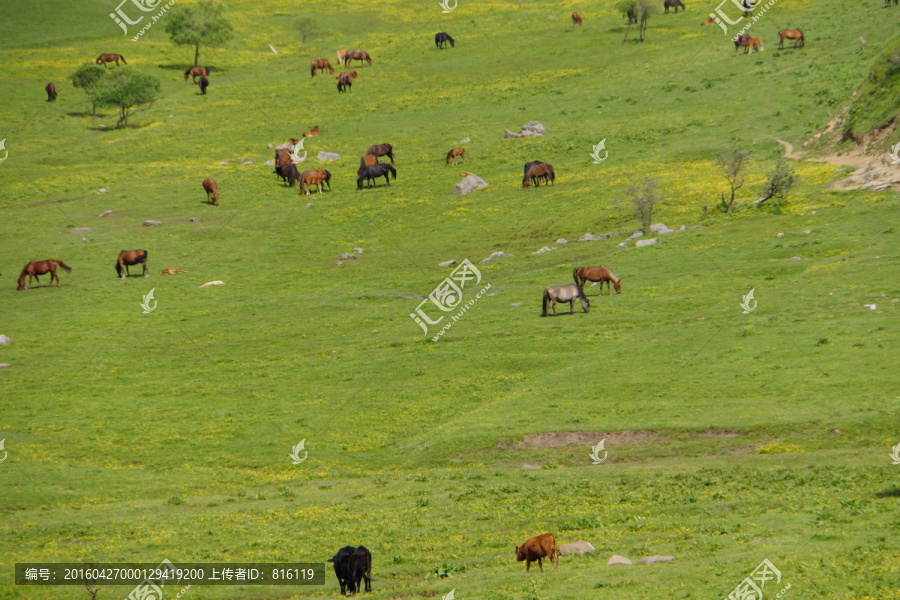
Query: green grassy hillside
[[138, 437]]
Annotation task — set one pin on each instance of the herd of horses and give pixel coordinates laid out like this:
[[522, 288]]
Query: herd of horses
[[35, 268], [569, 293]]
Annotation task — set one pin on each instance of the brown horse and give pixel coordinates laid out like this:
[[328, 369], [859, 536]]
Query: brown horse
[[456, 153], [360, 55], [317, 178], [41, 267], [711, 21], [130, 258], [321, 64], [212, 191], [108, 58], [538, 172], [565, 293], [601, 274], [576, 19], [366, 161], [791, 34], [382, 150], [676, 4], [51, 92], [345, 81], [749, 44], [314, 130], [282, 160], [196, 72]]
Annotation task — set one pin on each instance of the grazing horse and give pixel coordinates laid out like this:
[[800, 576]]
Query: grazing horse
[[456, 153], [342, 57], [108, 58], [673, 4], [371, 172], [576, 19], [366, 161], [345, 81], [565, 293], [196, 72], [749, 44], [601, 274], [316, 178], [51, 92], [130, 258], [538, 172], [282, 159], [442, 38], [41, 267], [321, 64], [203, 83], [314, 130], [382, 150], [212, 191], [791, 34], [360, 55]]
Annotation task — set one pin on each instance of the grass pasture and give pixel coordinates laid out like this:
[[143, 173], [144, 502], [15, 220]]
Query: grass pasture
[[135, 437]]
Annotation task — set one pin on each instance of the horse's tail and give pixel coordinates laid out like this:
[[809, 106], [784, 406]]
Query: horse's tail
[[802, 39], [575, 277], [65, 266], [143, 257], [546, 303], [393, 172], [123, 59], [312, 69]]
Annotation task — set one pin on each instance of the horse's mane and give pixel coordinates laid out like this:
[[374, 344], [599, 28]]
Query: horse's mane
[[612, 276]]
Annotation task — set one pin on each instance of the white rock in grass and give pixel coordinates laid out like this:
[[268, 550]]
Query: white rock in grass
[[656, 559], [447, 264], [616, 559], [642, 243]]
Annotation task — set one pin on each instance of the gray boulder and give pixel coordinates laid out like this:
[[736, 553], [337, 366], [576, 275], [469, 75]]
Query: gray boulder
[[328, 156], [636, 234], [347, 256], [642, 243], [447, 264], [656, 559], [106, 213], [623, 244], [469, 183], [533, 128], [4, 340], [497, 254], [152, 223], [657, 227], [616, 559], [561, 241], [82, 230], [579, 547]]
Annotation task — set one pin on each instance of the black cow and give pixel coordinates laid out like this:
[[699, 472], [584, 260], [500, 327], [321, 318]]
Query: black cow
[[352, 565]]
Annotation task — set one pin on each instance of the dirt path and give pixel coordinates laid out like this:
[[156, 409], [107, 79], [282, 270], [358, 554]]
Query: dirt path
[[870, 172]]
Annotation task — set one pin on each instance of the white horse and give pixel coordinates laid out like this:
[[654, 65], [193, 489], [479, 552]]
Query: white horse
[[565, 293]]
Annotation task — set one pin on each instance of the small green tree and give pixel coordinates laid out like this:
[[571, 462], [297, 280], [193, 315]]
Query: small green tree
[[733, 163], [643, 198], [125, 89], [779, 183], [86, 77], [308, 28], [201, 24]]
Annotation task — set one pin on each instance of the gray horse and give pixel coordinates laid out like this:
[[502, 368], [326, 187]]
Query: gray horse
[[565, 293]]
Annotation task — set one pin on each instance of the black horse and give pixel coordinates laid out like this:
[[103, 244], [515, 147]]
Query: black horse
[[203, 83], [372, 171], [673, 4], [442, 38]]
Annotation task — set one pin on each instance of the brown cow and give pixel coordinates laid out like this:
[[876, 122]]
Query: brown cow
[[212, 191], [538, 548]]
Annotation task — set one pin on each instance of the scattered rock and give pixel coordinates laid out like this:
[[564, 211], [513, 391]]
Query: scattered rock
[[358, 250], [656, 559], [269, 163], [492, 294], [106, 213], [636, 234], [284, 146], [665, 231], [780, 234], [497, 254], [615, 559], [528, 467], [246, 164], [870, 306], [561, 241], [510, 134], [102, 190], [469, 183], [193, 220], [657, 227], [595, 238], [579, 547], [550, 17], [328, 156], [683, 228], [172, 271], [642, 243], [85, 240], [518, 303], [544, 249], [213, 283], [347, 256], [5, 365], [224, 163], [4, 340], [464, 141], [692, 227], [447, 263], [833, 432], [339, 263], [529, 129], [796, 258], [623, 244], [81, 230], [807, 231], [757, 541], [152, 223], [308, 205]]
